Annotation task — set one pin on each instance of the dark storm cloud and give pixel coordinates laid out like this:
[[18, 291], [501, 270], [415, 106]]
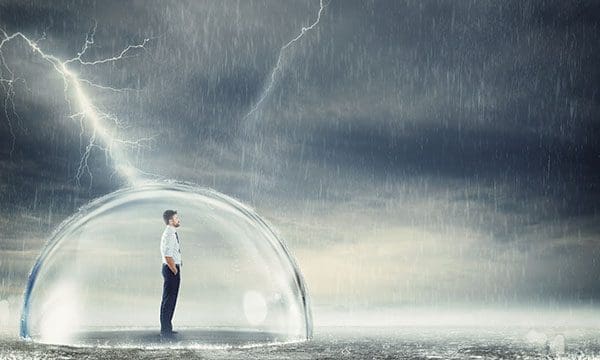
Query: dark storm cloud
[[480, 65], [484, 90]]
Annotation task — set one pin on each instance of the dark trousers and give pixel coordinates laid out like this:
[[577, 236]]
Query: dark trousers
[[169, 297]]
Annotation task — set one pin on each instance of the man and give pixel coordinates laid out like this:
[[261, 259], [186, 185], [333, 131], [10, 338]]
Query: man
[[171, 259]]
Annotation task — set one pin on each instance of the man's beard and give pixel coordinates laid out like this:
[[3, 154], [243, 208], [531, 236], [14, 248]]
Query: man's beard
[[176, 225]]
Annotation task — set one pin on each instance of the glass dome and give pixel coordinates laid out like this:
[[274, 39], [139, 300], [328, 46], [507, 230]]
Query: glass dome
[[98, 280]]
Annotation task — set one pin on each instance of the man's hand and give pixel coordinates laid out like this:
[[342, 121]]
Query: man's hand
[[171, 264]]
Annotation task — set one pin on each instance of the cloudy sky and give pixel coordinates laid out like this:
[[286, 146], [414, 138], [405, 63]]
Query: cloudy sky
[[411, 153]]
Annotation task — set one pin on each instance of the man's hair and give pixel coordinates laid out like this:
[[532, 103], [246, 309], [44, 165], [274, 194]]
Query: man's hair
[[168, 215]]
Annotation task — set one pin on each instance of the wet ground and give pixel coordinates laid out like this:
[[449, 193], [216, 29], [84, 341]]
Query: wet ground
[[354, 343]]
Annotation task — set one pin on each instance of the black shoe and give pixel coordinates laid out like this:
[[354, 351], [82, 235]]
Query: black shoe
[[168, 334]]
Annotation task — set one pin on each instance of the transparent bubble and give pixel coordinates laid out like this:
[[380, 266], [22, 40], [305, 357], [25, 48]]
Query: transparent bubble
[[98, 280]]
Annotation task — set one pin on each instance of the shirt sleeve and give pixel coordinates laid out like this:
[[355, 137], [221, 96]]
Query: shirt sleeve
[[169, 249]]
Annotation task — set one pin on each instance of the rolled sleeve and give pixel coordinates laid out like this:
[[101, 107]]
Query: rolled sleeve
[[169, 245]]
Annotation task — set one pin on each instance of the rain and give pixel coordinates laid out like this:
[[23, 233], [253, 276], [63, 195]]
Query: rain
[[430, 166]]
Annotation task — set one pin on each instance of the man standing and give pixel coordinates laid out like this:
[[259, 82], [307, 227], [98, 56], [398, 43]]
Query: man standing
[[171, 259]]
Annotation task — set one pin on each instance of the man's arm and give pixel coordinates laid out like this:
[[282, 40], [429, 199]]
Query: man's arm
[[171, 264]]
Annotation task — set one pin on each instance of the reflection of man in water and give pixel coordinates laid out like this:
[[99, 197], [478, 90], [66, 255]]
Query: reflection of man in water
[[171, 258]]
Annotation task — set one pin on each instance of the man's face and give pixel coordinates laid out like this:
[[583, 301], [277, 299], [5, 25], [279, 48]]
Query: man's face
[[175, 220]]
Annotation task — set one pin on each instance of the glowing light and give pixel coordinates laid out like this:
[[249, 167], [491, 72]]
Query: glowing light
[[63, 316], [86, 110], [255, 307]]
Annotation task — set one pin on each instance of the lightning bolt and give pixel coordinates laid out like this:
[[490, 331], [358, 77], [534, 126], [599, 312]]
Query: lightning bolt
[[277, 69], [86, 113]]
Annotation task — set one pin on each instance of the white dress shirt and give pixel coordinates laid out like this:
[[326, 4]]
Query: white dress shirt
[[169, 245]]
